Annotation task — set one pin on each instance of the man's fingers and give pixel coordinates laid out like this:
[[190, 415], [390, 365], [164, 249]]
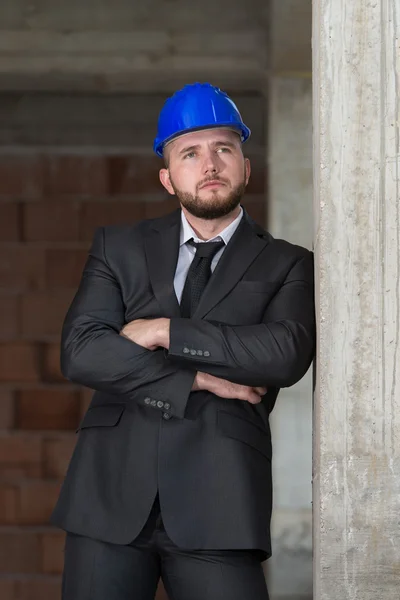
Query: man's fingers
[[261, 390], [228, 389], [253, 398], [251, 394], [248, 394]]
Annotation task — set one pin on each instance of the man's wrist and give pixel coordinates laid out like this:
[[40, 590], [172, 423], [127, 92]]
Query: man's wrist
[[196, 387], [163, 332], [201, 380]]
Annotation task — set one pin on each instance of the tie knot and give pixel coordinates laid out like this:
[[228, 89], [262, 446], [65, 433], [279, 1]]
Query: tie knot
[[206, 249]]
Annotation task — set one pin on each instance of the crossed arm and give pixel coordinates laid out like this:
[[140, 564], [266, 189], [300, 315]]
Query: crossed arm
[[100, 351], [96, 355], [277, 352]]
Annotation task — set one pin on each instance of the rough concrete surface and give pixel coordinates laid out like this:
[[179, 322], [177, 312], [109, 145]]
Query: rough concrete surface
[[357, 418]]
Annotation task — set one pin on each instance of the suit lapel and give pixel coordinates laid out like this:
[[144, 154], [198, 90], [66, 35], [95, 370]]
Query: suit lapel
[[162, 249], [245, 245]]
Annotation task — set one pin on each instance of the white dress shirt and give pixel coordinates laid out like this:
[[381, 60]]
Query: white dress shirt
[[187, 252]]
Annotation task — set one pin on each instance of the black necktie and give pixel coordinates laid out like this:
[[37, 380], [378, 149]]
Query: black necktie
[[198, 275]]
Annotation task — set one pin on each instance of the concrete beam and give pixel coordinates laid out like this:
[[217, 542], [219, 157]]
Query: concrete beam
[[126, 46], [125, 15], [115, 81], [357, 214], [133, 61]]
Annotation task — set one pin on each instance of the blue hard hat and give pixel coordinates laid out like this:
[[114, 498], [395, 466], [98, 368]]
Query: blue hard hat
[[194, 107]]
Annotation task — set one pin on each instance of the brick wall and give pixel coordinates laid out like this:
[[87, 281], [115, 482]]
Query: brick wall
[[52, 197]]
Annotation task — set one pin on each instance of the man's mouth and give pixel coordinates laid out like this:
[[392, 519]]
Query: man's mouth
[[213, 183]]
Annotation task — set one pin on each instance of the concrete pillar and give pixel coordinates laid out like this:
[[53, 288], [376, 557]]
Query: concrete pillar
[[356, 60], [289, 571]]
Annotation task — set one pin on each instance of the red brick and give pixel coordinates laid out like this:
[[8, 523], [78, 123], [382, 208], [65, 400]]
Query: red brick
[[9, 222], [134, 175], [6, 409], [51, 222], [156, 209], [8, 589], [9, 502], [36, 502], [43, 313], [53, 553], [22, 267], [98, 214], [57, 454], [51, 364], [40, 588], [20, 552], [64, 267], [21, 176], [76, 175], [19, 362], [9, 312], [20, 456], [47, 409]]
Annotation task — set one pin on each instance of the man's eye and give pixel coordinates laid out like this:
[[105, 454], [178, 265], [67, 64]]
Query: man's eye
[[223, 149], [190, 155]]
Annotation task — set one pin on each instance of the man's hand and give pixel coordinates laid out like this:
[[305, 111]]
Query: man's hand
[[227, 389], [149, 333]]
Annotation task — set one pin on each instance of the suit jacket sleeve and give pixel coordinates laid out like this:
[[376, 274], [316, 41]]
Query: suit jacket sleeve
[[95, 355], [276, 352]]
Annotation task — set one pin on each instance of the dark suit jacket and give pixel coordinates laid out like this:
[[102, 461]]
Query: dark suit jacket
[[209, 457]]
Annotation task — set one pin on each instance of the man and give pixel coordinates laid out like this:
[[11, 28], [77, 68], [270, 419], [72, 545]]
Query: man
[[186, 326]]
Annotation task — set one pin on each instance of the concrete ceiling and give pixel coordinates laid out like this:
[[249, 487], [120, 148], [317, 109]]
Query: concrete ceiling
[[122, 45]]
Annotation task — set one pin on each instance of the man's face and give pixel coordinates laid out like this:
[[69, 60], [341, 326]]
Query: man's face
[[207, 172]]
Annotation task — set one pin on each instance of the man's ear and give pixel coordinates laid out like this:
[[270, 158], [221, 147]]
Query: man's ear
[[247, 167], [166, 181]]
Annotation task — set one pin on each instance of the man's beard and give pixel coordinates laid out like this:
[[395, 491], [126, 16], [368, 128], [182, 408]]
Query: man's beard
[[213, 208]]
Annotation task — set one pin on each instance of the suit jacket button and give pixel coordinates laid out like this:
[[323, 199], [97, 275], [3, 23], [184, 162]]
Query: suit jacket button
[[199, 352], [185, 350], [206, 353], [153, 403], [167, 405], [160, 404], [166, 416], [147, 400], [193, 352]]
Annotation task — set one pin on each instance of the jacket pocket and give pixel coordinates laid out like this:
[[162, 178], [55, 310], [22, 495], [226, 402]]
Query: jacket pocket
[[245, 431], [107, 415]]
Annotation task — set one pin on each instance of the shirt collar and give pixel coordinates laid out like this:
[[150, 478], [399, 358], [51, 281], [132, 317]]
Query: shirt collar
[[187, 232]]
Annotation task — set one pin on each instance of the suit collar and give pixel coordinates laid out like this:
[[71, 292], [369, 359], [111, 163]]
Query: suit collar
[[188, 233], [162, 250]]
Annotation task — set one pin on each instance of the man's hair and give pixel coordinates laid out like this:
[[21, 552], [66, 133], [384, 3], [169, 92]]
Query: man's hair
[[166, 152]]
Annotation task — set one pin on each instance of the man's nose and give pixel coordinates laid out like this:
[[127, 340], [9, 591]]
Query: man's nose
[[211, 163]]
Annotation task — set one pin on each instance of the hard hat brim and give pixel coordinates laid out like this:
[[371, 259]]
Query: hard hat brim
[[243, 131]]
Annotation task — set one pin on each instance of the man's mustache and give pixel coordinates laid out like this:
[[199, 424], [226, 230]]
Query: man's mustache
[[209, 179]]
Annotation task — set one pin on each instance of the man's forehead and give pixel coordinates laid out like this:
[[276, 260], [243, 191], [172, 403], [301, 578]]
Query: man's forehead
[[205, 135]]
